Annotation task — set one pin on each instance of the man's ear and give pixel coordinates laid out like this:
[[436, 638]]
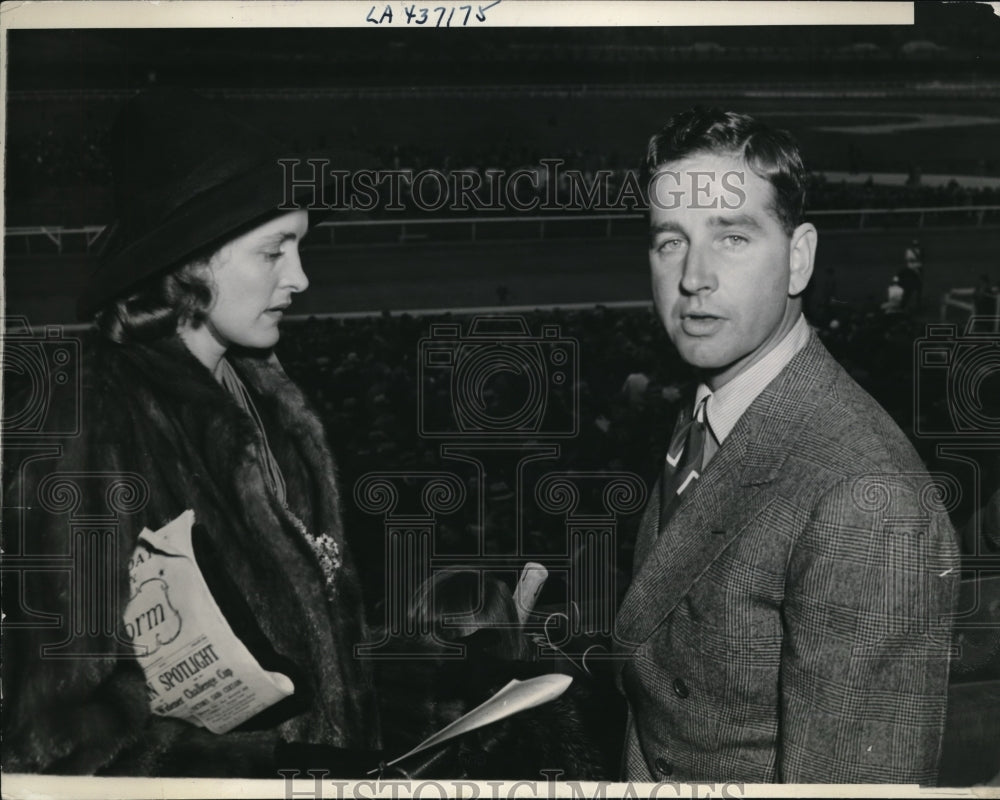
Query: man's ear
[[801, 255]]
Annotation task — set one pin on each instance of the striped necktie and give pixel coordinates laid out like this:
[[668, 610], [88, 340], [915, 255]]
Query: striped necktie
[[684, 461]]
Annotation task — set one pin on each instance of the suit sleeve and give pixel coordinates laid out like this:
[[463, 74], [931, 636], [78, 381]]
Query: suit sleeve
[[870, 590]]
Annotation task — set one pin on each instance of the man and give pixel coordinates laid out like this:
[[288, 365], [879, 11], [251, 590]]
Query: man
[[788, 618]]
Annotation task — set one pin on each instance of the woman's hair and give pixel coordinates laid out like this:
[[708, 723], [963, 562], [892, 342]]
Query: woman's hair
[[157, 306]]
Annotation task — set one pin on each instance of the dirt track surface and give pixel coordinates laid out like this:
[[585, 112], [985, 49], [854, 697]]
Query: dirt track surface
[[467, 274]]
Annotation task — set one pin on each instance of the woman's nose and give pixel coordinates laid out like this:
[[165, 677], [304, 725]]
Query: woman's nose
[[295, 278]]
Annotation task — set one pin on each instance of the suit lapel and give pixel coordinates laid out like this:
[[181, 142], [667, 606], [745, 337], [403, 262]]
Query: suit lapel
[[676, 557], [728, 497]]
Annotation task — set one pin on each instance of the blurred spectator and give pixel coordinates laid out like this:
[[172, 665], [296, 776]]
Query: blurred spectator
[[634, 388], [894, 297], [909, 280], [914, 259], [984, 299]]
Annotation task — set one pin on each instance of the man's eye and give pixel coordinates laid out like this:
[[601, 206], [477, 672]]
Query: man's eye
[[735, 240], [668, 245], [273, 255]]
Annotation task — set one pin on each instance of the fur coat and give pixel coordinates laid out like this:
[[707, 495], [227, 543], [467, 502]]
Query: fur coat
[[158, 435]]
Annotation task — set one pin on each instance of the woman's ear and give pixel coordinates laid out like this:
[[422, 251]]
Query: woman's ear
[[801, 256]]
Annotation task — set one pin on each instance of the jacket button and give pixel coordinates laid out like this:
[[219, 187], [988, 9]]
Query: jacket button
[[663, 767], [680, 688]]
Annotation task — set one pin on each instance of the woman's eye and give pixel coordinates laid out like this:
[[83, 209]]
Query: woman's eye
[[273, 255]]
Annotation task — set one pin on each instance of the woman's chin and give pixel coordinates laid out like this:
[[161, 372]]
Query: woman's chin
[[259, 340]]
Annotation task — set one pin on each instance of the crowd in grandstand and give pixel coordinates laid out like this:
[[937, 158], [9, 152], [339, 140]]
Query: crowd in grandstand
[[364, 375], [58, 159]]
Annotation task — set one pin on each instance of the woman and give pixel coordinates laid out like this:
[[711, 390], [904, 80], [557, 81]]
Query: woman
[[184, 407]]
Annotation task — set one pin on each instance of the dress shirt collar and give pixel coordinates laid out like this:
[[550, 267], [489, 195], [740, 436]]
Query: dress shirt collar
[[725, 406]]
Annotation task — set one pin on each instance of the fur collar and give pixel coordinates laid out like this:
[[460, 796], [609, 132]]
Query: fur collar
[[155, 412]]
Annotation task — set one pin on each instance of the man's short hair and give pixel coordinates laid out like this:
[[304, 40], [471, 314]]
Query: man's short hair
[[772, 154]]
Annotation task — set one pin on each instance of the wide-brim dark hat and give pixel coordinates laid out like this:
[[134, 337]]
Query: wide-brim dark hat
[[189, 175]]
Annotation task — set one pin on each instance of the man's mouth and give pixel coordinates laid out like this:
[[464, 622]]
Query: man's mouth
[[700, 323], [699, 315]]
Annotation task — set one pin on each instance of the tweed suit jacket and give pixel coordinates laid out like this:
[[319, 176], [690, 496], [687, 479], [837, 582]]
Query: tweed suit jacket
[[792, 621]]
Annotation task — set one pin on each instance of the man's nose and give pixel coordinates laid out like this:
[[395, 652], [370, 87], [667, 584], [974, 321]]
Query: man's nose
[[698, 274]]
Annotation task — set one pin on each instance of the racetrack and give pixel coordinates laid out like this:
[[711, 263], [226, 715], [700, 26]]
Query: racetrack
[[424, 275], [854, 127]]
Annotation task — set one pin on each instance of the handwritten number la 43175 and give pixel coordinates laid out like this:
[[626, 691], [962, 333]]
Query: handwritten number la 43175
[[444, 15]]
